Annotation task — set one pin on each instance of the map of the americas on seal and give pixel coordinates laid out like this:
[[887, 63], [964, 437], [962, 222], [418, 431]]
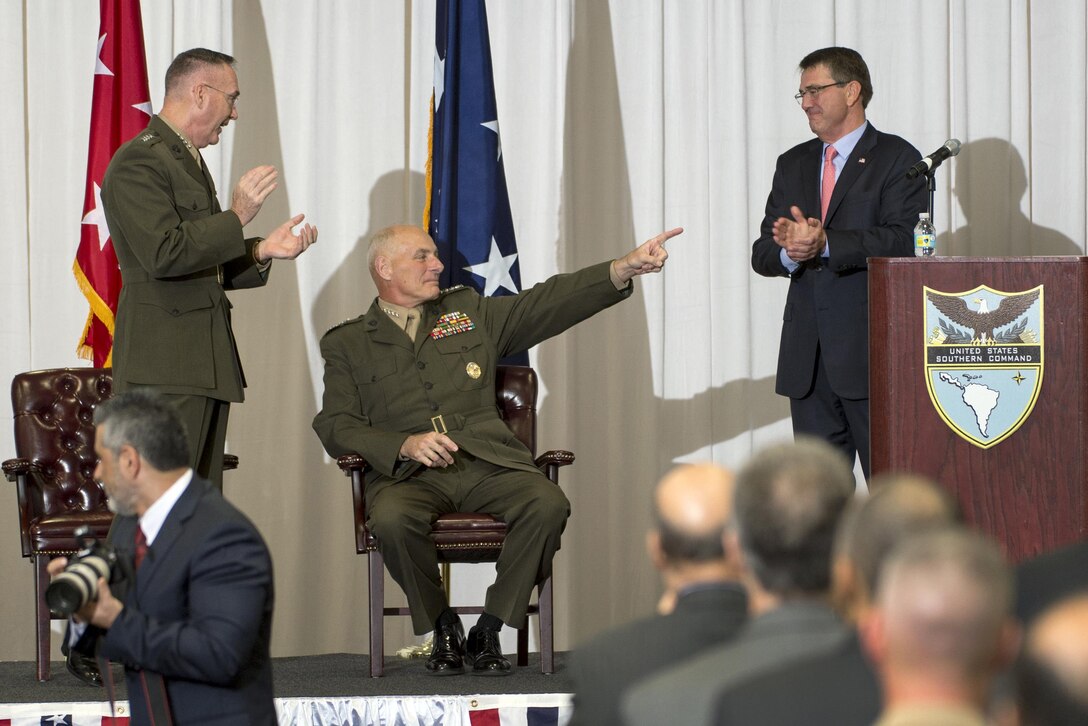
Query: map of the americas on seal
[[984, 359]]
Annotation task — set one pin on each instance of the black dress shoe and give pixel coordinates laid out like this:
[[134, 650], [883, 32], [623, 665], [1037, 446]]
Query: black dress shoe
[[447, 653], [83, 667], [485, 653]]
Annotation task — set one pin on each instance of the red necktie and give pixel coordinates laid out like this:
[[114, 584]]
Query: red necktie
[[141, 546], [828, 184]]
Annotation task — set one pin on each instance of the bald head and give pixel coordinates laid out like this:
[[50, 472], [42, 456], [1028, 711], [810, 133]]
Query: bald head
[[404, 265], [899, 507], [945, 599], [692, 506], [1058, 642]]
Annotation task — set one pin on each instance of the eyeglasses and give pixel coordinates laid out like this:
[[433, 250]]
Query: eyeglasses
[[814, 91], [232, 98]]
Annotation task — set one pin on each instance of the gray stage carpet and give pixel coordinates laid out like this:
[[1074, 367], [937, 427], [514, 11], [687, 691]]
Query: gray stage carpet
[[339, 674]]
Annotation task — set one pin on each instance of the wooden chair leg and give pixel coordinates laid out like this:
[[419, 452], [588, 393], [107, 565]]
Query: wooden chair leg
[[42, 616], [547, 644], [376, 588], [523, 644]]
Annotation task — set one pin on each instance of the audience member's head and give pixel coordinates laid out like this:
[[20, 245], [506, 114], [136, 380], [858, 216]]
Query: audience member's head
[[789, 499], [692, 510], [942, 629], [1052, 674], [900, 506]]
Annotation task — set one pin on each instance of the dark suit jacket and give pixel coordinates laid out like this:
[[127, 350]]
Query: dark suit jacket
[[686, 692], [606, 666], [838, 688], [380, 386], [173, 244], [199, 613], [1048, 578], [872, 213]]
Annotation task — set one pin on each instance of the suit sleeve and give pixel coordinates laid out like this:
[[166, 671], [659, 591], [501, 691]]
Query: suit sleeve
[[766, 253], [229, 588], [899, 200], [167, 221]]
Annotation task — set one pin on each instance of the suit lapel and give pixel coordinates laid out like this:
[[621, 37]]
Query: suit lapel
[[859, 160], [168, 536], [810, 172]]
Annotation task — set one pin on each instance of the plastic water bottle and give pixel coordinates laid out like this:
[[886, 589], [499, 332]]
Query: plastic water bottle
[[925, 237]]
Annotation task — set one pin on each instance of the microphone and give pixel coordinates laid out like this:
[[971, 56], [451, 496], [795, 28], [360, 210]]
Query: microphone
[[928, 163]]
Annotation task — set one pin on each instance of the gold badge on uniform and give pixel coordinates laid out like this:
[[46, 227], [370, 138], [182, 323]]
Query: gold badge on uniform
[[473, 370]]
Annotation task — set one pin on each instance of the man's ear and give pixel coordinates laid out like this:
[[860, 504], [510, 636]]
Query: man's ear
[[383, 268], [129, 462], [1009, 642], [872, 632], [731, 545], [653, 549]]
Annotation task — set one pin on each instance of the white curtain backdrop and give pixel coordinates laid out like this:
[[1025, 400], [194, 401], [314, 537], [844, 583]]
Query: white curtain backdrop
[[619, 118]]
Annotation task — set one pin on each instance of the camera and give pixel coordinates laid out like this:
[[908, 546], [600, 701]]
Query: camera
[[78, 584]]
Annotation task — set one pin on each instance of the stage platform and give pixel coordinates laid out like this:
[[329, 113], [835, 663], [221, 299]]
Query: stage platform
[[326, 689]]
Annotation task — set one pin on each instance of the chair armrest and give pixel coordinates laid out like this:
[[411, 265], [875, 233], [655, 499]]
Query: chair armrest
[[558, 457], [550, 461], [15, 467], [351, 462], [230, 461]]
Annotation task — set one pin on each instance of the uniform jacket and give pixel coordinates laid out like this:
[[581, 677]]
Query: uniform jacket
[[606, 666], [872, 213], [198, 612], [174, 244], [380, 386]]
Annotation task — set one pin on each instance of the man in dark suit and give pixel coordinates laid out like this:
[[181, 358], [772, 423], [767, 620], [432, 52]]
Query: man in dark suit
[[410, 386], [835, 201], [789, 499], [178, 251], [840, 687], [1050, 577], [189, 613], [704, 602]]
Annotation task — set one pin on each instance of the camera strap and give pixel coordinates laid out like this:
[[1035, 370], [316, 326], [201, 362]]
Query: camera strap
[[152, 691]]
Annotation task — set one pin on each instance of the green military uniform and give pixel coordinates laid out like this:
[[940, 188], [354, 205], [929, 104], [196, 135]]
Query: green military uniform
[[177, 251], [381, 386]]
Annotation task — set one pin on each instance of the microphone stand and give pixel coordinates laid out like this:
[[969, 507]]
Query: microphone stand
[[931, 185]]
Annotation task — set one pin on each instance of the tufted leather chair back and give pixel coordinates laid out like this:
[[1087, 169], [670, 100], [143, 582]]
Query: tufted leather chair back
[[54, 440], [54, 472]]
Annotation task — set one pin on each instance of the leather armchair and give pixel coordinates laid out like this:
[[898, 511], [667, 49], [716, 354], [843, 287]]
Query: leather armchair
[[465, 537], [54, 473]]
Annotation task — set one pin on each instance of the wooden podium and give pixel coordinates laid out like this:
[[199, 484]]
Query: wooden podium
[[1027, 487]]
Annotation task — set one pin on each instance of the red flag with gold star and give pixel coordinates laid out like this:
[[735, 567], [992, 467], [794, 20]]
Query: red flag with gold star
[[120, 109]]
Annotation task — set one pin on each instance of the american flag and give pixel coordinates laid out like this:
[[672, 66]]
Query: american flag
[[468, 208]]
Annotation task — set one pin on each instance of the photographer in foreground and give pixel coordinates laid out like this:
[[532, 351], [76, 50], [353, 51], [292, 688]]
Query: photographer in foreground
[[188, 607]]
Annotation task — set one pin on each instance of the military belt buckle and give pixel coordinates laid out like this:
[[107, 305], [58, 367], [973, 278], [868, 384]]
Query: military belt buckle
[[439, 424]]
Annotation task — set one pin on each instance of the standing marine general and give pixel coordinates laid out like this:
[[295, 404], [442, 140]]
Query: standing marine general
[[178, 251], [410, 386], [835, 201]]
